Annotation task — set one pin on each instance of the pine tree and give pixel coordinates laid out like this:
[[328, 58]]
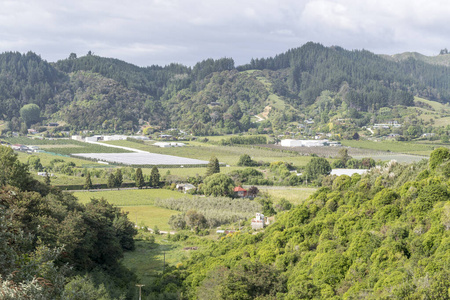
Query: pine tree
[[118, 178], [213, 166], [88, 182], [139, 178], [111, 181], [154, 177], [47, 180]]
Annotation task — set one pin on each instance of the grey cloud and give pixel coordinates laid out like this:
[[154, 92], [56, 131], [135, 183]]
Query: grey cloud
[[186, 31]]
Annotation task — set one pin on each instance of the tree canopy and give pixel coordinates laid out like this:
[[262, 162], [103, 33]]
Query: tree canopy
[[218, 185]]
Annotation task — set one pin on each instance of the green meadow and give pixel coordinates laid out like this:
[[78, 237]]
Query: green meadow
[[138, 203]]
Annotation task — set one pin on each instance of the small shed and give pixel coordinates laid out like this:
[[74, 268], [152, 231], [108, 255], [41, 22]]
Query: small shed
[[185, 187]]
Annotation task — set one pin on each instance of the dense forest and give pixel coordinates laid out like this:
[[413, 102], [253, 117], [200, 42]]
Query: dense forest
[[213, 96], [53, 247], [385, 235]]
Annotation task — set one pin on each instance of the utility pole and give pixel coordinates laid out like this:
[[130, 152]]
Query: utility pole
[[140, 286]]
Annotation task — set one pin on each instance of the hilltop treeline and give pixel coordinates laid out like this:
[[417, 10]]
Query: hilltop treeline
[[212, 97], [375, 80], [52, 247], [381, 236]]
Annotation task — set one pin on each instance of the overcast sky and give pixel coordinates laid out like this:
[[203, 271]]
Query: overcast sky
[[147, 32]]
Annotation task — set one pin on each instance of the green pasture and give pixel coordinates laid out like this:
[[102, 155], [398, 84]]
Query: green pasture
[[294, 195], [276, 102], [150, 216], [435, 105], [148, 258], [138, 203], [392, 146], [439, 122]]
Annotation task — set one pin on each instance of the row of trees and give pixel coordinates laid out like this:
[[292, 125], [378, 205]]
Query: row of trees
[[115, 180]]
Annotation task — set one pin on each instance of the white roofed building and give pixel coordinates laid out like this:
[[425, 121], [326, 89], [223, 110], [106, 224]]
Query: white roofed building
[[304, 143]]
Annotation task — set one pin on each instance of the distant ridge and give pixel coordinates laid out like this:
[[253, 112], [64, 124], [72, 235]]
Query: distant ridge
[[441, 60]]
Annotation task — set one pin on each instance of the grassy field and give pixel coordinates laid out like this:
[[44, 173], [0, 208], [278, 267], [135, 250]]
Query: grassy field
[[435, 105], [139, 204], [148, 258], [439, 112], [392, 146], [294, 195], [442, 122], [150, 216]]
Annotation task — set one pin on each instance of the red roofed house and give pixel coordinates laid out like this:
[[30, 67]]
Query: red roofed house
[[241, 192]]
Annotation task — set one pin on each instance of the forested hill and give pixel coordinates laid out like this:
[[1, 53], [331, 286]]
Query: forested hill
[[385, 235], [92, 92]]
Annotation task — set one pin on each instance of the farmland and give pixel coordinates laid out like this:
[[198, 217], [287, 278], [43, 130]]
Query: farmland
[[226, 154], [292, 194], [138, 203], [64, 146], [415, 148], [143, 159]]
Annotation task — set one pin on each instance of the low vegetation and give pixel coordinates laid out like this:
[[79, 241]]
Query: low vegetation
[[216, 211]]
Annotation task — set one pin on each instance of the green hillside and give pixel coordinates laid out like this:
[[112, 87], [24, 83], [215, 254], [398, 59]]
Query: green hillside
[[443, 59], [215, 96], [381, 236]]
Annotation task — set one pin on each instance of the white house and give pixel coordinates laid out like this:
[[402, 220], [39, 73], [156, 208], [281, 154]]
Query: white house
[[258, 221], [185, 187]]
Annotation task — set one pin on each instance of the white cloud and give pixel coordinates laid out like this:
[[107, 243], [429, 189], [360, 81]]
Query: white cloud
[[148, 32]]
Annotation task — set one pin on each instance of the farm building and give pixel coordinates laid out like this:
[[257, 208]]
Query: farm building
[[304, 143], [77, 138], [114, 137], [349, 172], [241, 192], [44, 174], [167, 145], [94, 138], [19, 147], [185, 187], [140, 137]]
